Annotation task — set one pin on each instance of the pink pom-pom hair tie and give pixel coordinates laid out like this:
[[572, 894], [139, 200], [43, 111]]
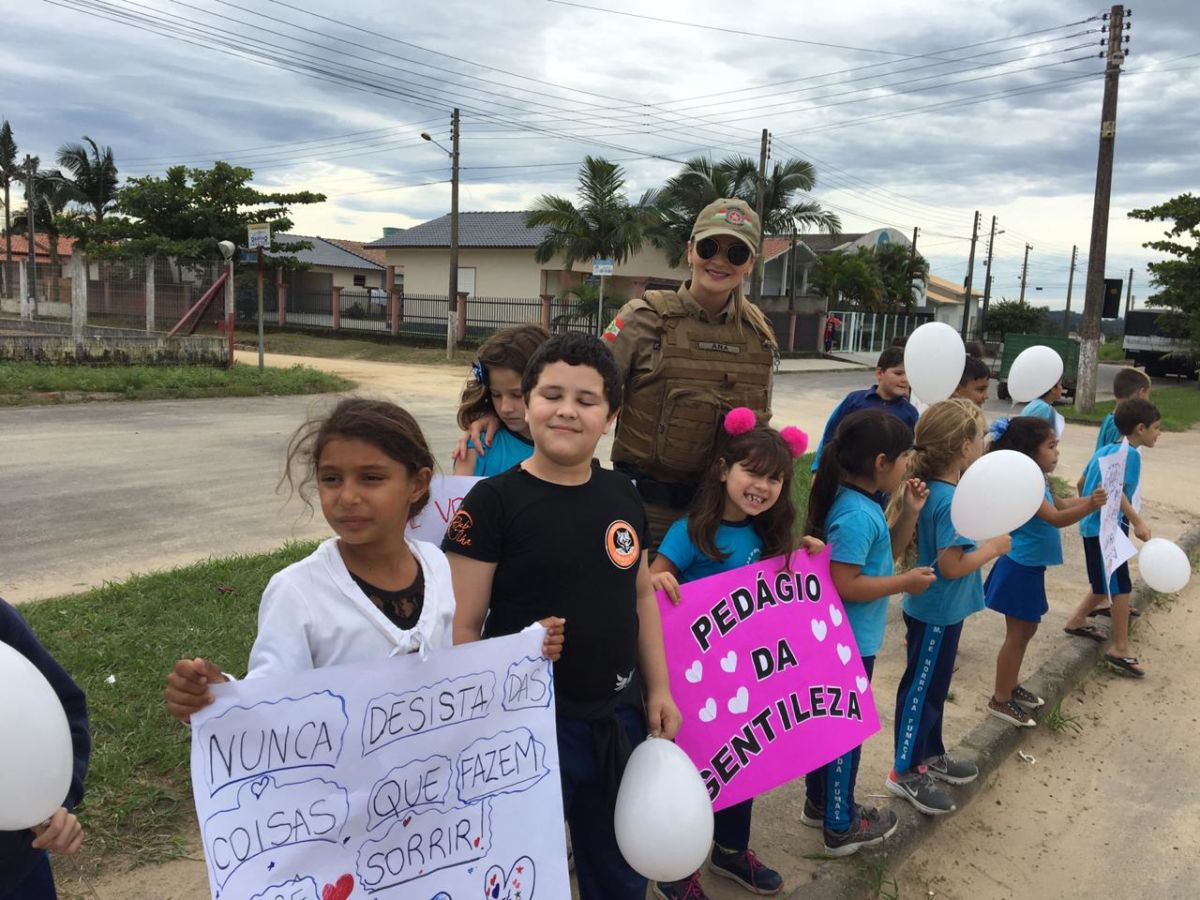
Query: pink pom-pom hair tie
[[796, 440], [739, 420]]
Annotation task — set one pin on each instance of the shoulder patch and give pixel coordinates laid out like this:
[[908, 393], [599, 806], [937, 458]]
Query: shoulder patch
[[621, 543], [614, 329]]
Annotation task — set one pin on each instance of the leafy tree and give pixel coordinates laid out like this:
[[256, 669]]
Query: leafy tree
[[851, 277], [1015, 317], [187, 212], [93, 176], [577, 305], [1177, 279], [10, 171], [899, 269], [701, 181], [603, 226]]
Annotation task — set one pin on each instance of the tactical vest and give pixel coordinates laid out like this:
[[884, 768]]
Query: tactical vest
[[699, 371]]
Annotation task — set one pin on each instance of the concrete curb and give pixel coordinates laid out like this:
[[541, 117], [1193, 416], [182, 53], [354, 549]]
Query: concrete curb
[[988, 744]]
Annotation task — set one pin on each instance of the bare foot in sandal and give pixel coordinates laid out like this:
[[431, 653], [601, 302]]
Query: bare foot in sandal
[[1126, 665], [1088, 631]]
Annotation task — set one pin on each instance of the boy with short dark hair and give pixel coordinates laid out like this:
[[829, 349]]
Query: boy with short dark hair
[[973, 385], [25, 872], [889, 393], [557, 538], [1139, 422], [1043, 407], [1128, 382]]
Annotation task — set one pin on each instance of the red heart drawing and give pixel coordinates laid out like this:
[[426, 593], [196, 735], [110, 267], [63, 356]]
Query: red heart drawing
[[339, 891], [407, 820], [476, 842]]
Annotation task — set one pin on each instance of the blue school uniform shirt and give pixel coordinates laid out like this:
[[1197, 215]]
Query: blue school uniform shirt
[[1040, 409], [1037, 542], [900, 407], [948, 600], [857, 534], [1108, 432], [1089, 526], [738, 539], [506, 451]]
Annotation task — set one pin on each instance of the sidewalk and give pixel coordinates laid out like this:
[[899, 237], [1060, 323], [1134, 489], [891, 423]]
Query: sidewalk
[[820, 364]]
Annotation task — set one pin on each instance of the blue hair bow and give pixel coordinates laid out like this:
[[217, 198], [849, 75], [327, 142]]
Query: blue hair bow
[[996, 429], [479, 373]]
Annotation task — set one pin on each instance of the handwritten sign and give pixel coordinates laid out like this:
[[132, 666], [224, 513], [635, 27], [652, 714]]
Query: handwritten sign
[[401, 778], [446, 494], [1115, 546], [766, 671]]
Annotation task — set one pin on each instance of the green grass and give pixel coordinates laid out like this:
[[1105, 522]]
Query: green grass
[[139, 788], [23, 382], [802, 485], [303, 344], [1180, 407], [1062, 487], [1112, 351], [1061, 722]]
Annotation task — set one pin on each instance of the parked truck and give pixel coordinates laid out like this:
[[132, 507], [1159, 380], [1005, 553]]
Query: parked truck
[[1152, 340]]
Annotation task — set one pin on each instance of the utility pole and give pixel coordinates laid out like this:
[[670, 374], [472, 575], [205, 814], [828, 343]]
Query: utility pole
[[1070, 284], [970, 276], [1129, 294], [1024, 271], [760, 200], [452, 309], [987, 283], [1093, 304], [912, 262], [30, 215]]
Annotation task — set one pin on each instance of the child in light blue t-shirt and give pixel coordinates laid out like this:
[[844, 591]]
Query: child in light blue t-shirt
[[867, 455], [743, 510], [1043, 407], [949, 438], [495, 390]]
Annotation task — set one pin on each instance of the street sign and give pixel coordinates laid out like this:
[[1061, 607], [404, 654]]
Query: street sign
[[602, 266], [258, 236], [248, 256]]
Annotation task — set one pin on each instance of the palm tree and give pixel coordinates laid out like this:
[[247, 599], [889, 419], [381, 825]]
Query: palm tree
[[9, 172], [900, 267], [94, 176], [850, 276], [54, 193], [603, 226], [701, 181]]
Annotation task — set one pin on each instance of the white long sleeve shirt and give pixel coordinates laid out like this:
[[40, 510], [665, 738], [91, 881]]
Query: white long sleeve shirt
[[313, 614]]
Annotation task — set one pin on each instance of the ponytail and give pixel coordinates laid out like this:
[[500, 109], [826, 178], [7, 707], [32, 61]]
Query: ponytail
[[824, 489]]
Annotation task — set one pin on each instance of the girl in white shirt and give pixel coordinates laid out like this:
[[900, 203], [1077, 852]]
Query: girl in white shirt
[[371, 592]]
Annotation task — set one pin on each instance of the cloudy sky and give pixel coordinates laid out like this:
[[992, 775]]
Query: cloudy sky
[[914, 112]]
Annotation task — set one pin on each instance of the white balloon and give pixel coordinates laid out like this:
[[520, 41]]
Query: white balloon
[[998, 493], [664, 819], [1164, 566], [1035, 370], [934, 357], [36, 759]]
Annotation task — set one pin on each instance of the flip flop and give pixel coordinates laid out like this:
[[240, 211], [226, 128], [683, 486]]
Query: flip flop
[[1106, 612], [1088, 631], [1126, 665]]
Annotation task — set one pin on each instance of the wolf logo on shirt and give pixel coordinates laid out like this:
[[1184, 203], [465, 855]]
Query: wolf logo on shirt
[[621, 543]]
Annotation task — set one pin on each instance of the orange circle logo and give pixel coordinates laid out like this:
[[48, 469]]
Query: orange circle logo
[[459, 529], [621, 542]]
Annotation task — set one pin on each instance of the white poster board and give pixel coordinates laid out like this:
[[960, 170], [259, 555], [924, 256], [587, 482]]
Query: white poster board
[[1115, 545], [405, 779], [446, 494], [258, 236]]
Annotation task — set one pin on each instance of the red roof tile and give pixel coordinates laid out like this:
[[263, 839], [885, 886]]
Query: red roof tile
[[41, 252], [358, 248]]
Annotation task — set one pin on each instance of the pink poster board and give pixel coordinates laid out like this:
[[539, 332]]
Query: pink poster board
[[766, 671]]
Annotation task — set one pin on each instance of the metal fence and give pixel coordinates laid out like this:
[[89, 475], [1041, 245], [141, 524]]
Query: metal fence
[[864, 332]]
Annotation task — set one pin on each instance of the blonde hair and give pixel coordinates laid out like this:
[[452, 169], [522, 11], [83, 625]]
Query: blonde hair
[[940, 434]]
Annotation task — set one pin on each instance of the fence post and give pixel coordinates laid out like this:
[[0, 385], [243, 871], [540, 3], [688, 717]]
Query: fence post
[[460, 327], [149, 294], [547, 300], [23, 282], [337, 308], [791, 341], [280, 297], [79, 292]]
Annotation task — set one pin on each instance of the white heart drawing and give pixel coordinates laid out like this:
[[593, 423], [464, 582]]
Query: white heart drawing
[[694, 673], [862, 683], [843, 653], [708, 711], [835, 616], [740, 701], [818, 629], [729, 661]]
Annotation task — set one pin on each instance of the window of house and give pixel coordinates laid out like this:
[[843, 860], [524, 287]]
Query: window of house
[[360, 280]]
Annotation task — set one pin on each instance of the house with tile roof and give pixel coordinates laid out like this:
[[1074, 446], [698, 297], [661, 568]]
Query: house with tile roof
[[330, 263]]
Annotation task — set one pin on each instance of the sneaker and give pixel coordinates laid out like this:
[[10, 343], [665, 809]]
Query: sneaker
[[950, 770], [1028, 699], [870, 827], [744, 867], [917, 788], [1011, 712], [812, 815], [688, 889]]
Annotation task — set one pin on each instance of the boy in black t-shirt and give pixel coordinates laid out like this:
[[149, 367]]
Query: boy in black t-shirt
[[559, 540]]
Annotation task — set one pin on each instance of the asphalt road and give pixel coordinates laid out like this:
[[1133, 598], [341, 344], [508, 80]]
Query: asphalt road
[[94, 492]]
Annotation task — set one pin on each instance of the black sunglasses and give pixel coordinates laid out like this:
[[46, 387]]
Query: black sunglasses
[[737, 253]]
